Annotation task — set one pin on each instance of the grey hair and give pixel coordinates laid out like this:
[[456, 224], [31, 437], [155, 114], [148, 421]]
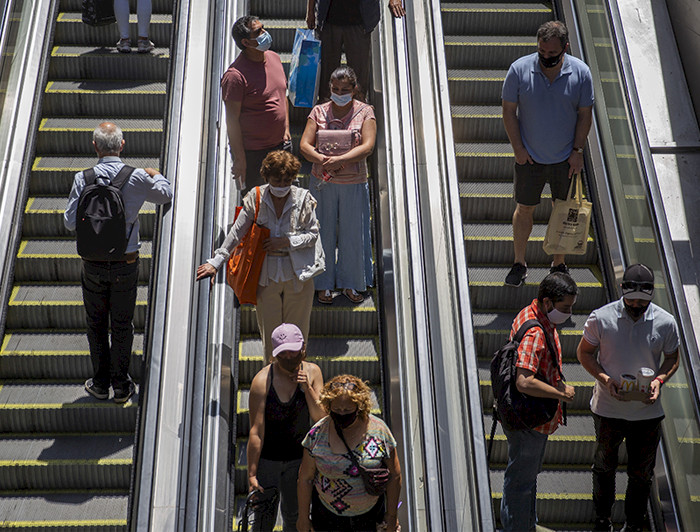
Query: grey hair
[[108, 138]]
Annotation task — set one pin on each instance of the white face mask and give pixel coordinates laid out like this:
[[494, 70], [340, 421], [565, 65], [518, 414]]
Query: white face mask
[[558, 317], [280, 192], [341, 100]]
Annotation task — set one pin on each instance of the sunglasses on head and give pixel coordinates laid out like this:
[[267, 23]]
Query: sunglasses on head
[[634, 286], [347, 385]]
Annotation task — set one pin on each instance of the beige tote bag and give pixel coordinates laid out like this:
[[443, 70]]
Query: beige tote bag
[[567, 232]]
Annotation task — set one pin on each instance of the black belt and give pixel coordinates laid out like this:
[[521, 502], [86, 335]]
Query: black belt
[[127, 258]]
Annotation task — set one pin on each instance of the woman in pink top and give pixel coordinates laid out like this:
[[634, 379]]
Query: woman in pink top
[[339, 183]]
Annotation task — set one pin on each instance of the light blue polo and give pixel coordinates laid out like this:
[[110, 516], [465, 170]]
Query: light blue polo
[[547, 112], [625, 346]]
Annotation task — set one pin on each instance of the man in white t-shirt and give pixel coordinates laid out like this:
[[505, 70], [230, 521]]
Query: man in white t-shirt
[[629, 334]]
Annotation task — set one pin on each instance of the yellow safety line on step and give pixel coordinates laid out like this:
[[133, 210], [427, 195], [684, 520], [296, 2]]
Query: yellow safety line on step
[[61, 406], [77, 462], [30, 202], [5, 341], [500, 283], [43, 127], [513, 10], [561, 496], [466, 78], [101, 91], [483, 154], [471, 43], [65, 523]]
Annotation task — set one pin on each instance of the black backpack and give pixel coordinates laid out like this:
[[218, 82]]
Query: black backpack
[[98, 12], [100, 217], [514, 409]]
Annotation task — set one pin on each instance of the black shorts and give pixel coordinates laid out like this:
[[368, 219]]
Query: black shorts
[[530, 179]]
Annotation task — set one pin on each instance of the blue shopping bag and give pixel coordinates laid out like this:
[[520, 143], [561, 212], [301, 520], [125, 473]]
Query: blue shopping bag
[[304, 69]]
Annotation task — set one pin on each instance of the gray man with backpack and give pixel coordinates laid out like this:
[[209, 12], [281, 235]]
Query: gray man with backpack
[[103, 209]]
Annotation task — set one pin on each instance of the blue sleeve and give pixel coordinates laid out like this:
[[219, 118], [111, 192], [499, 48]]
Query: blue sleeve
[[586, 99], [155, 189], [72, 206], [511, 86]]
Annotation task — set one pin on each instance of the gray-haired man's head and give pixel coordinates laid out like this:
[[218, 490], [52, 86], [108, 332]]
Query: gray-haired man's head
[[108, 139]]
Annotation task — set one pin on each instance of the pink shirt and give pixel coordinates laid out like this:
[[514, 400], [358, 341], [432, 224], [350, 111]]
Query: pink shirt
[[262, 90], [353, 120]]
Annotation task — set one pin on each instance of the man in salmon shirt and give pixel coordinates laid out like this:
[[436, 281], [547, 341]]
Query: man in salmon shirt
[[254, 90]]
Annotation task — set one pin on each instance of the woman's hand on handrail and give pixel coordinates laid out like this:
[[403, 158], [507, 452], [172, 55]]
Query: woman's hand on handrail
[[206, 270]]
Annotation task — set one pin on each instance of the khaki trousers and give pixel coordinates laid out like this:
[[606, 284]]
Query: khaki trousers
[[279, 303]]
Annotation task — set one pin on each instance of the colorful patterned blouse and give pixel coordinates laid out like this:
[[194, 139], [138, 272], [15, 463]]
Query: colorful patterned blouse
[[337, 480]]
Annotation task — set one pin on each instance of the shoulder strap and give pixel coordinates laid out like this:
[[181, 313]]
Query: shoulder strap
[[89, 176], [122, 176], [353, 458], [529, 324], [257, 203]]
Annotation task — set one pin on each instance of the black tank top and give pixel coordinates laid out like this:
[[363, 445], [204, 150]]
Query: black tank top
[[286, 424]]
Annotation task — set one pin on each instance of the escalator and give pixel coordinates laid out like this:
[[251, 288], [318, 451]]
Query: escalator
[[344, 338], [66, 457]]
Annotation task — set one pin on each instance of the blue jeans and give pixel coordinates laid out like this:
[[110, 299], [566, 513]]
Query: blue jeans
[[642, 438], [343, 213], [525, 454], [283, 475]]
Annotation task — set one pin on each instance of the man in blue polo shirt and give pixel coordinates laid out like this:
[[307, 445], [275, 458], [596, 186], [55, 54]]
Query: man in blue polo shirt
[[629, 334], [547, 109]]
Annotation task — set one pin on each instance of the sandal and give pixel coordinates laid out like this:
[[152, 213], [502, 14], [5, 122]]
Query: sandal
[[353, 295], [325, 297]]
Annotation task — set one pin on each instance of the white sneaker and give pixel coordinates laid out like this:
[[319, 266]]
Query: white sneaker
[[145, 46], [124, 46]]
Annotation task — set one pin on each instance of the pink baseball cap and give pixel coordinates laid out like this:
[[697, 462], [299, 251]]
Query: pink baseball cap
[[286, 337]]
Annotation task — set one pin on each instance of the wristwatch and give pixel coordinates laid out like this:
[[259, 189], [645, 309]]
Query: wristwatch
[[579, 150]]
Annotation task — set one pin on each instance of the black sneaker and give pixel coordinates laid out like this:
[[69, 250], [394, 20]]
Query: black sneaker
[[516, 275], [96, 391], [561, 268], [123, 395], [603, 524]]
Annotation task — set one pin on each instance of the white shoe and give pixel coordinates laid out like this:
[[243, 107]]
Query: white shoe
[[124, 46], [145, 46]]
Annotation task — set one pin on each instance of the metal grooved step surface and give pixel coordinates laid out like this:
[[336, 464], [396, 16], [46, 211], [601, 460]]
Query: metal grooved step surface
[[65, 457], [481, 41], [343, 337]]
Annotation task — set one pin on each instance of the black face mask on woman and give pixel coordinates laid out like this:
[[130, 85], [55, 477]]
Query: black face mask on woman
[[290, 364], [344, 420]]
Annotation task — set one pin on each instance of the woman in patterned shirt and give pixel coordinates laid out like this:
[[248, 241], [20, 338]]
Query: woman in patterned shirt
[[329, 482]]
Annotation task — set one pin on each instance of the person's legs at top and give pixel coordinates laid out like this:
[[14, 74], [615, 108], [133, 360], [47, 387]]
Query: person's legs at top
[[328, 198], [357, 45], [642, 440], [94, 280], [324, 519], [297, 304], [331, 38], [144, 10], [269, 475], [288, 493], [124, 282], [268, 312], [609, 435], [525, 454], [350, 269], [253, 161], [558, 178], [121, 13]]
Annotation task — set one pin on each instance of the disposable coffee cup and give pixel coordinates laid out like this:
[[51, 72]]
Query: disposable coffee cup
[[644, 378], [628, 382]]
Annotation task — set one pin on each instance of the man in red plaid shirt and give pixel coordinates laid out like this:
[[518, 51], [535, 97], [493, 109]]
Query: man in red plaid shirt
[[537, 375]]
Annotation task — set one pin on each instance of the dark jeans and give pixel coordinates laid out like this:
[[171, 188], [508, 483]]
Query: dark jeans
[[283, 475], [109, 294], [642, 439], [253, 162], [323, 520]]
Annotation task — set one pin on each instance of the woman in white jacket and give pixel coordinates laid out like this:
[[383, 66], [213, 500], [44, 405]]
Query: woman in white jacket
[[294, 254]]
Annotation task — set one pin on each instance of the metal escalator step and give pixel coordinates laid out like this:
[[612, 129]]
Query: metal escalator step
[[334, 355], [242, 414], [491, 161], [96, 62], [74, 135], [483, 123], [283, 31], [89, 461], [38, 407], [488, 201], [491, 330], [35, 306], [273, 9], [43, 216], [54, 175], [104, 98], [70, 29], [493, 244], [65, 510], [489, 18], [575, 375], [564, 496], [478, 51], [341, 317], [58, 261], [158, 6], [486, 288], [475, 87], [55, 356]]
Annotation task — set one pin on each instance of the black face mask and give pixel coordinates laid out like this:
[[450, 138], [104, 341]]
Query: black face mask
[[344, 420], [549, 62], [290, 364], [636, 312]]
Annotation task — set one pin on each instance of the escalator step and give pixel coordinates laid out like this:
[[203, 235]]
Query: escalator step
[[273, 9], [87, 461], [54, 175], [55, 356], [61, 136], [38, 407], [103, 97], [478, 123], [57, 306], [494, 52], [70, 29], [334, 355], [487, 201], [158, 6], [65, 510], [490, 161], [96, 62], [506, 18], [475, 87]]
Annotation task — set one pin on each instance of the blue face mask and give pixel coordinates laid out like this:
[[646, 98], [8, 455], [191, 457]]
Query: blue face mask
[[341, 100], [264, 41]]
